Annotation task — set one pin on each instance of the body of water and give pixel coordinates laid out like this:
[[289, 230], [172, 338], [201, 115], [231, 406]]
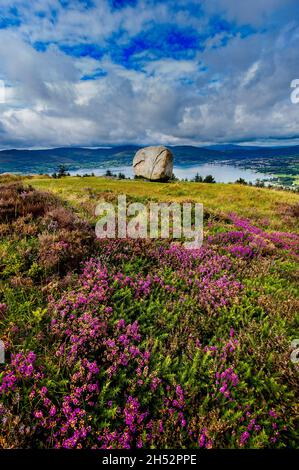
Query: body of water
[[222, 173]]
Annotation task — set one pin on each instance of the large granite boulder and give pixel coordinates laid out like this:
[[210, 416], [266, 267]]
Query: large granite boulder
[[154, 163]]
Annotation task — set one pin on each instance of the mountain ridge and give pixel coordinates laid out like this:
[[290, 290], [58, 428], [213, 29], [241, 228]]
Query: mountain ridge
[[283, 160]]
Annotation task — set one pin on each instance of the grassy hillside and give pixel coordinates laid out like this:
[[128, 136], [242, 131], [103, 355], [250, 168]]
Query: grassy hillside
[[271, 207], [141, 343]]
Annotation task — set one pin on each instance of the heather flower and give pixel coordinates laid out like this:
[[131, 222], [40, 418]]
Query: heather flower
[[149, 348], [244, 438], [3, 309]]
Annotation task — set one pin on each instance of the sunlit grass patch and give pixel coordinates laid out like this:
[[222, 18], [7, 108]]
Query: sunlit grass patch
[[256, 203]]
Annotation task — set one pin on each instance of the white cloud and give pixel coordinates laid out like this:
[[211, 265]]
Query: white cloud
[[254, 12], [238, 91], [250, 74]]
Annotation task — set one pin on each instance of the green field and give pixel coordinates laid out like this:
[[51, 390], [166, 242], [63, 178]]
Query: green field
[[248, 201]]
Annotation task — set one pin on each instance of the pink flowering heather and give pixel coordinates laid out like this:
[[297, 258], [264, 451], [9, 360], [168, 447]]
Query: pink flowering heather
[[20, 368], [145, 344], [3, 309], [282, 240]]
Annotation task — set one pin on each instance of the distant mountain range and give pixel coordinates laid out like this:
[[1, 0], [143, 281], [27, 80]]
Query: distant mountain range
[[274, 160]]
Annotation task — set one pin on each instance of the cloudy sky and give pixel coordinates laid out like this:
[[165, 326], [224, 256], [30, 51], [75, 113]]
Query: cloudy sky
[[102, 72]]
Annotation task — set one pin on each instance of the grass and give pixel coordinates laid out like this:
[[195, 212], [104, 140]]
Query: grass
[[252, 202]]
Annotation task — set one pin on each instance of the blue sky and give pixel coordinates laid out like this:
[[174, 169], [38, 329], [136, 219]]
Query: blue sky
[[104, 72]]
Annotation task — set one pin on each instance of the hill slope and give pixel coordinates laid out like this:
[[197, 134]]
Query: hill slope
[[126, 343], [256, 203]]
